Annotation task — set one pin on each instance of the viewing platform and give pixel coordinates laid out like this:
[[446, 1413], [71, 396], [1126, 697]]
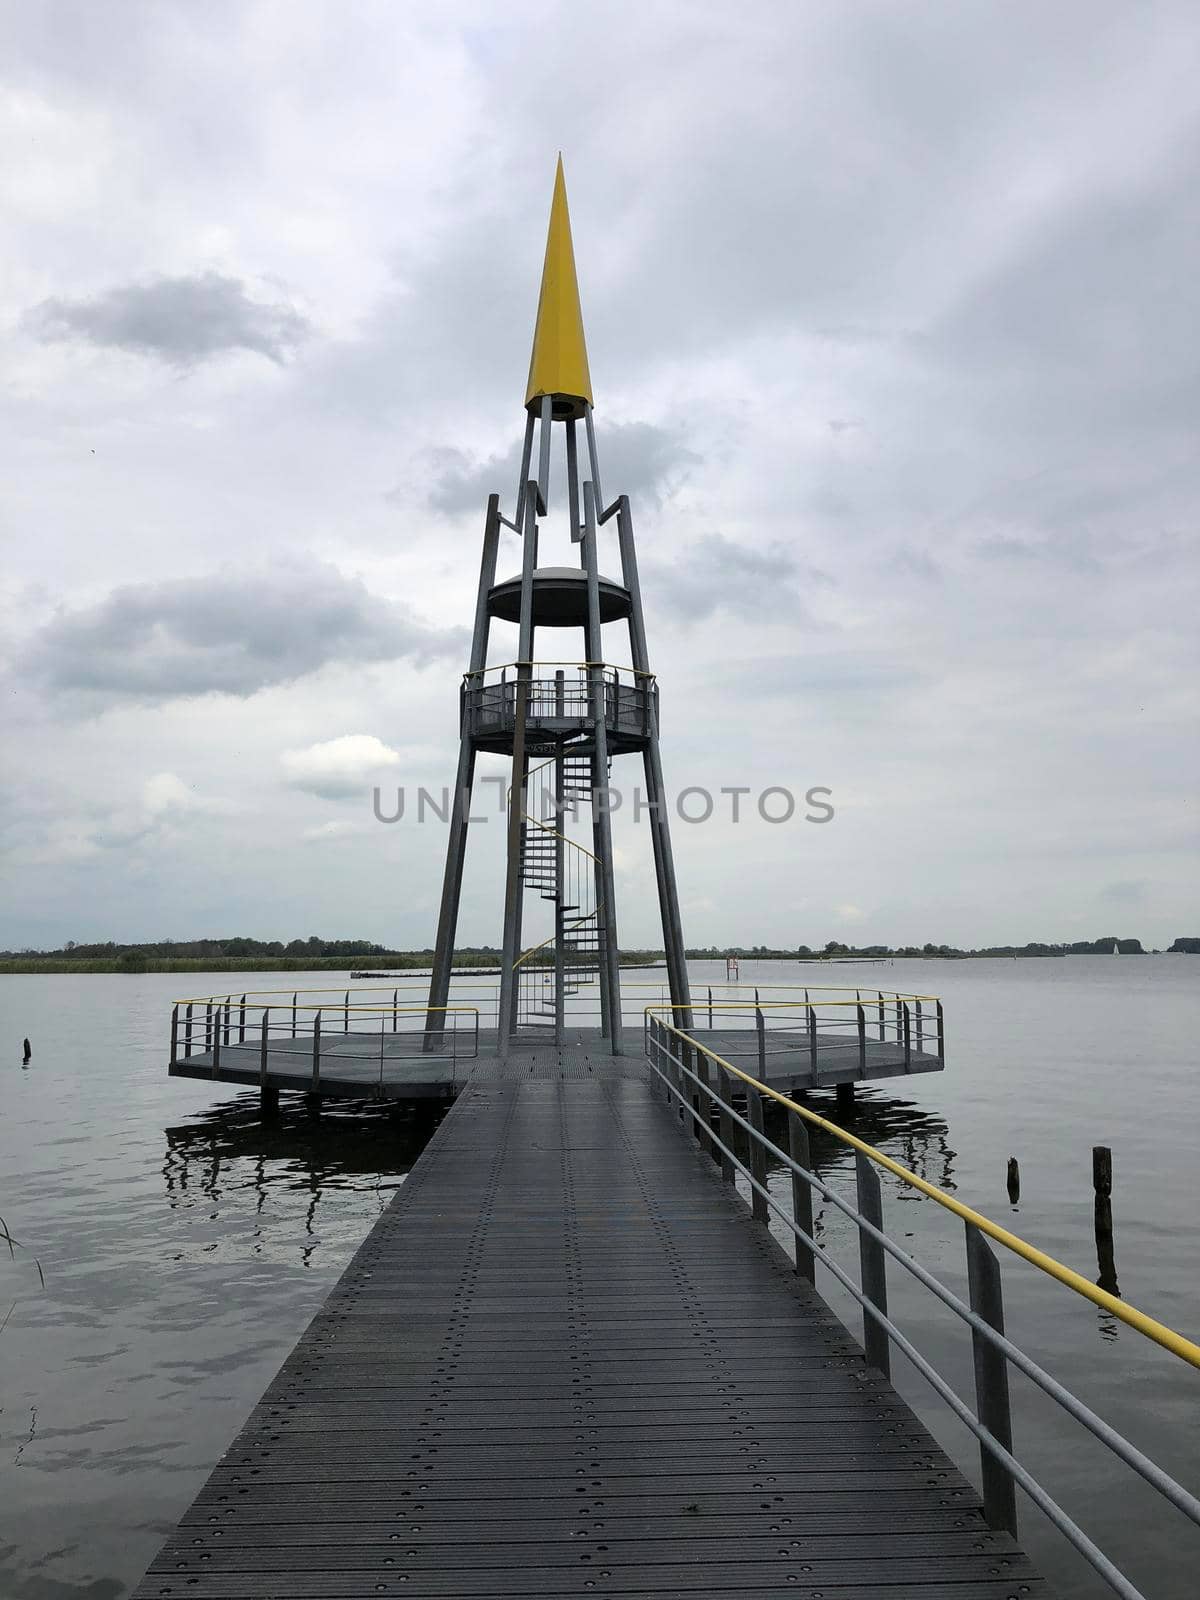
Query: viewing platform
[[560, 703], [387, 1043]]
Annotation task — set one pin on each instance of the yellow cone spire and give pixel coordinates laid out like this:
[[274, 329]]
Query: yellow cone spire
[[559, 365]]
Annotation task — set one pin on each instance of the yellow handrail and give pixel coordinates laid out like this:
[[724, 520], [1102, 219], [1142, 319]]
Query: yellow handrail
[[1185, 1349]]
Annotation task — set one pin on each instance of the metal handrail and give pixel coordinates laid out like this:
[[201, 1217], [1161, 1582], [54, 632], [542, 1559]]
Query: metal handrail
[[1152, 1329], [583, 666], [869, 997], [984, 1315]]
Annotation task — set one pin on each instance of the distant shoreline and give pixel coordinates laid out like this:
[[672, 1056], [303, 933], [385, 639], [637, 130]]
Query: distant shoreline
[[397, 963], [48, 966]]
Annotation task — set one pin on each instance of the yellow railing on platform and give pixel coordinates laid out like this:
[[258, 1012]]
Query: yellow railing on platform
[[1149, 1326]]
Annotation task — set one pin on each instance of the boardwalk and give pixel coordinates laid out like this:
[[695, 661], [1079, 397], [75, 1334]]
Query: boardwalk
[[565, 1362]]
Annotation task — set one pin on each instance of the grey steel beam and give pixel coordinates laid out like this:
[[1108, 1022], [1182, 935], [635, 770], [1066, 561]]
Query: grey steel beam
[[516, 809], [518, 521], [600, 794], [460, 807], [593, 457], [593, 651], [656, 797], [560, 862]]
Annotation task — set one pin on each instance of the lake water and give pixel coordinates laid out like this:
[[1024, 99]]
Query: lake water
[[185, 1244]]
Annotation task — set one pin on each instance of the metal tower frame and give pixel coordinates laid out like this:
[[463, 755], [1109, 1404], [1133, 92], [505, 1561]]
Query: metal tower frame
[[531, 714]]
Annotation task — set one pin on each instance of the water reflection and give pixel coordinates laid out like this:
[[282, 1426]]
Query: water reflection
[[917, 1138], [910, 1134], [232, 1156]]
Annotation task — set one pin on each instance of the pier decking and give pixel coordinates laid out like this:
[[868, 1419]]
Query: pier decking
[[566, 1362]]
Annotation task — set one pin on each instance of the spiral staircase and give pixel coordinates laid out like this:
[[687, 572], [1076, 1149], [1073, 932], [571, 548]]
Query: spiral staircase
[[578, 913]]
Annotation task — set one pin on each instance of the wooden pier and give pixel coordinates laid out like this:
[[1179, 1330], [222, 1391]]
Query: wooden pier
[[566, 1362]]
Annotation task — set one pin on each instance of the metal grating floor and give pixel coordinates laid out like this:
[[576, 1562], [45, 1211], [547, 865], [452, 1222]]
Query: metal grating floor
[[565, 1362]]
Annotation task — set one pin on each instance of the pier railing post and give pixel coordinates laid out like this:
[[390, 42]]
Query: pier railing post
[[812, 1040], [216, 1046], [991, 1381], [724, 1091], [802, 1207], [691, 1059], [395, 992], [941, 1035], [346, 1013], [907, 1038], [208, 1028], [882, 1023], [920, 1029], [262, 1048], [242, 1021], [187, 1031], [704, 1072], [758, 1155], [295, 997], [174, 1034], [872, 1263], [761, 1026], [862, 1040], [316, 1053], [228, 1017], [710, 1005]]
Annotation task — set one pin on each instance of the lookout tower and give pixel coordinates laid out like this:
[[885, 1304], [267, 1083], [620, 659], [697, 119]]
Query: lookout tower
[[565, 718]]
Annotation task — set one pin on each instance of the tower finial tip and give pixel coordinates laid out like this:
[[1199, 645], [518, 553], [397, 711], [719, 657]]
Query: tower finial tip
[[558, 365]]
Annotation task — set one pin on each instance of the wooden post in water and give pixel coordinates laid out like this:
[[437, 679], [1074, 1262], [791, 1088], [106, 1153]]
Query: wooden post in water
[[1102, 1184], [1014, 1180]]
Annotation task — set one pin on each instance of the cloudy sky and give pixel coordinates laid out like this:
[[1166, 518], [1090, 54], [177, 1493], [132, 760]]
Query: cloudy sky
[[892, 318]]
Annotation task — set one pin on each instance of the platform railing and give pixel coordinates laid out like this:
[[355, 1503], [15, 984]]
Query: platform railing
[[828, 1035], [886, 1015], [702, 1084], [287, 1025], [489, 696]]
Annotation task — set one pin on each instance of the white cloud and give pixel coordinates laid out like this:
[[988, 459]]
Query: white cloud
[[336, 768], [335, 828], [166, 795]]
